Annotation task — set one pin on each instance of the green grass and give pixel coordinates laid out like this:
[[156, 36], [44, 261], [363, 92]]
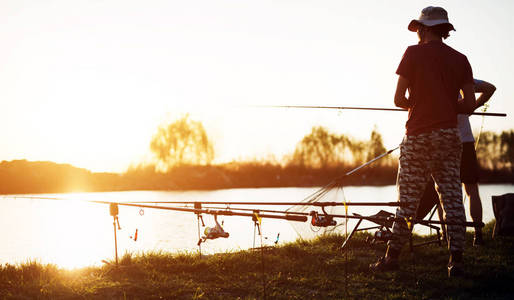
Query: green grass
[[300, 270]]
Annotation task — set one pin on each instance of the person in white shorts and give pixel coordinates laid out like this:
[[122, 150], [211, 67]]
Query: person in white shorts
[[469, 164]]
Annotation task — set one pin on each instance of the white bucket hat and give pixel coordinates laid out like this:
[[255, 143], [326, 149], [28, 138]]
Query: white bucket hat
[[431, 16]]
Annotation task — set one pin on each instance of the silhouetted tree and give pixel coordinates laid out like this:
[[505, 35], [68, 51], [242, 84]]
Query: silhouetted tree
[[321, 148], [316, 149], [375, 145], [182, 142], [496, 151], [507, 149], [488, 150]]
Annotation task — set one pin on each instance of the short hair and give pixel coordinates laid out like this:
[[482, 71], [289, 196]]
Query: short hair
[[441, 30]]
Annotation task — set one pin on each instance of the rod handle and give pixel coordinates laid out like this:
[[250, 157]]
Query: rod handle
[[296, 218]]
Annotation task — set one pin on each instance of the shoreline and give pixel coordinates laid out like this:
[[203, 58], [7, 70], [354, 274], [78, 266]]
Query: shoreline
[[302, 269]]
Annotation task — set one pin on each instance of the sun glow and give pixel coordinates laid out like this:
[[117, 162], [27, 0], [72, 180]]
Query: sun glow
[[77, 234]]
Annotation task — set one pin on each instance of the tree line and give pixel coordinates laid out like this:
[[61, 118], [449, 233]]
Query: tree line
[[184, 157]]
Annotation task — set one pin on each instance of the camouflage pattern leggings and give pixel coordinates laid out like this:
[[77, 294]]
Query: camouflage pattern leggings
[[436, 154]]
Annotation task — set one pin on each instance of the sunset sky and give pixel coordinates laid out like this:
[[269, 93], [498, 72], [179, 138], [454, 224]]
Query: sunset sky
[[87, 82]]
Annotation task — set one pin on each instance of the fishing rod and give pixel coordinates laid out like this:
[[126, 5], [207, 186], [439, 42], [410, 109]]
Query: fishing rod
[[410, 220], [41, 198], [258, 210], [367, 163], [142, 203], [321, 204], [220, 212], [216, 211], [356, 216], [368, 108]]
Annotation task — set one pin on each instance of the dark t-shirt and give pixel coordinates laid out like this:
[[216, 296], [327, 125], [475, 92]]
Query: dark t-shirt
[[436, 73]]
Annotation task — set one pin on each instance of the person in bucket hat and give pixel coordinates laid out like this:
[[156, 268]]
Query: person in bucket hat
[[431, 16], [433, 73]]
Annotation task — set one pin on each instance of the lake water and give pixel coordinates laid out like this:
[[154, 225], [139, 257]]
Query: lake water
[[76, 233]]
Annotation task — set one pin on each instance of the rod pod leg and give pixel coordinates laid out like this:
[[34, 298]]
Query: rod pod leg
[[113, 210], [199, 217], [115, 240]]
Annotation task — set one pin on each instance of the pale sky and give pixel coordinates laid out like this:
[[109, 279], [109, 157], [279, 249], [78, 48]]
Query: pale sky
[[88, 82]]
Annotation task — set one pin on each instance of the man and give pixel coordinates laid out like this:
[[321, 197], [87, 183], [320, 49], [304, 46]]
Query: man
[[469, 162], [433, 73]]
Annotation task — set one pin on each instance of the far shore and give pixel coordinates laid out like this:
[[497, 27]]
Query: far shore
[[25, 177]]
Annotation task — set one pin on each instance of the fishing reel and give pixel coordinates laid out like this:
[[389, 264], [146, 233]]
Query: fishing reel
[[383, 234], [322, 220], [211, 233]]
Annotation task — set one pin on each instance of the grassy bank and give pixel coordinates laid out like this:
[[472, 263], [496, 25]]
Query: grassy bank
[[301, 270]]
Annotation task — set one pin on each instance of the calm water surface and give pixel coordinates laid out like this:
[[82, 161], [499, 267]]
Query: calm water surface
[[76, 234]]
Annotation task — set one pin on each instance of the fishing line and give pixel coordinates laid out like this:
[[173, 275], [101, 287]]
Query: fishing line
[[486, 106]]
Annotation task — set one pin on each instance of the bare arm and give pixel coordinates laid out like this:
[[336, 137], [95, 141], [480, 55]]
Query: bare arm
[[486, 90], [468, 104], [399, 96]]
